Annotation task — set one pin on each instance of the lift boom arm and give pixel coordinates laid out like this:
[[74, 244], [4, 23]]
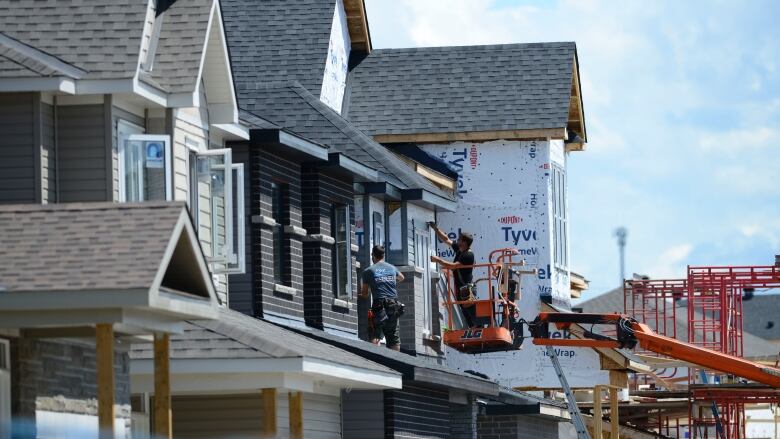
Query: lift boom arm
[[629, 332]]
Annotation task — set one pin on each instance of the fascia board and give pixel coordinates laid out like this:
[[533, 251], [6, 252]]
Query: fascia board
[[390, 379], [303, 145], [221, 365], [104, 86], [188, 99], [55, 84], [383, 188], [352, 166], [428, 199], [150, 93], [446, 379], [214, 383], [47, 301], [235, 130]]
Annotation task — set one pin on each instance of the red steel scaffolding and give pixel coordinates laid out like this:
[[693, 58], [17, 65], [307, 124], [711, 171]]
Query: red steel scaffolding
[[713, 297]]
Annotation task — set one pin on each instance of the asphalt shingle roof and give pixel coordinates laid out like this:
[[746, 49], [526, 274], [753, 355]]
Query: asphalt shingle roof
[[279, 40], [462, 88], [90, 247], [291, 106], [753, 346], [235, 335], [102, 37], [762, 316], [181, 45]]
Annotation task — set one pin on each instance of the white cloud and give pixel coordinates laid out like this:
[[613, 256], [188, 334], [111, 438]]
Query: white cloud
[[671, 263], [738, 140]]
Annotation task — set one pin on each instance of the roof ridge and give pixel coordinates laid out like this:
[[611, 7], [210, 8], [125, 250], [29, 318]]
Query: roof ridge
[[475, 46]]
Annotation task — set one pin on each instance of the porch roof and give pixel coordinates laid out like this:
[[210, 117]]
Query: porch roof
[[76, 264], [239, 344]]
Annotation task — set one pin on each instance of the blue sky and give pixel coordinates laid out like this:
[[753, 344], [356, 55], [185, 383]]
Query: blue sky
[[682, 105]]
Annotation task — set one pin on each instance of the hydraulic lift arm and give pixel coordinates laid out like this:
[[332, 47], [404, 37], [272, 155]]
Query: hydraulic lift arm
[[629, 332]]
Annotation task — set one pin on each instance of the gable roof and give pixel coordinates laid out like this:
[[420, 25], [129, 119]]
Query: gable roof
[[101, 37], [83, 246], [463, 89], [181, 44], [279, 40], [21, 60], [753, 347], [293, 107]]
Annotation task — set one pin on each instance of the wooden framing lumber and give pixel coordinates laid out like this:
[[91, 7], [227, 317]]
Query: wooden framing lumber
[[357, 25], [296, 415], [473, 136], [163, 426], [269, 414], [104, 358]]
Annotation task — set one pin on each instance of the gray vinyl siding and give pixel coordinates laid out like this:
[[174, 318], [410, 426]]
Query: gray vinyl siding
[[416, 412], [17, 158], [363, 414], [48, 156], [217, 417], [241, 284], [82, 153], [116, 114], [321, 416]]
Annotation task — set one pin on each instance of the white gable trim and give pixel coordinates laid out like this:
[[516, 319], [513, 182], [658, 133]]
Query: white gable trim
[[56, 84], [220, 112]]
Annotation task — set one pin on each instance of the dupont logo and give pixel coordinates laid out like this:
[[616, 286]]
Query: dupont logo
[[473, 155], [510, 219]]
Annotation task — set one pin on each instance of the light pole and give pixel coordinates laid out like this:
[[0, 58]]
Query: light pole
[[622, 233]]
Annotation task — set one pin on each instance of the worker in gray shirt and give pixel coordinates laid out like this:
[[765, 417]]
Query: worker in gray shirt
[[381, 278]]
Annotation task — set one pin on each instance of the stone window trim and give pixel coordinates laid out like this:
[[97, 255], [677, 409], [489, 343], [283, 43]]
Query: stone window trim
[[284, 290], [321, 238], [295, 231], [413, 269], [341, 302], [263, 220]]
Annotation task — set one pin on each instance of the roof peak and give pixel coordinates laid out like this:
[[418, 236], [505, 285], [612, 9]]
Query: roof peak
[[476, 46]]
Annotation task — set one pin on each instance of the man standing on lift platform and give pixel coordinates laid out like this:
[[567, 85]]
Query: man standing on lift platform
[[464, 286]]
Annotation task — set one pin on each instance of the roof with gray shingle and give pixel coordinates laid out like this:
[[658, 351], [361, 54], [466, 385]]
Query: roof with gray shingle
[[235, 336], [291, 106], [279, 40], [102, 37], [762, 316], [181, 44], [462, 88], [612, 301], [90, 247]]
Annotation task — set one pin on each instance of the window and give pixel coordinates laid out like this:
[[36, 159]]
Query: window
[[394, 246], [342, 258], [560, 219], [277, 208], [217, 189], [379, 228], [422, 256], [5, 389], [144, 165]]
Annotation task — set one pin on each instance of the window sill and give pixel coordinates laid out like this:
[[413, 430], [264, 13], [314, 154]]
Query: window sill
[[295, 230], [341, 302], [263, 220], [283, 289], [434, 338], [324, 239], [354, 248]]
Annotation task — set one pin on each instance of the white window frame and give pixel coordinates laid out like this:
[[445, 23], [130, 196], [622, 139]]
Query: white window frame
[[423, 260], [239, 258], [227, 153], [122, 138], [349, 288], [560, 218]]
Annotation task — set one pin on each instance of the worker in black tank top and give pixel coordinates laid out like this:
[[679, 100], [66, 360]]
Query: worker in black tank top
[[463, 277]]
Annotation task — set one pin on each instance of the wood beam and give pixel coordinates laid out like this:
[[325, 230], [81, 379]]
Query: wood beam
[[474, 136], [163, 426], [618, 378], [296, 415], [104, 359], [269, 414], [614, 425], [597, 414]]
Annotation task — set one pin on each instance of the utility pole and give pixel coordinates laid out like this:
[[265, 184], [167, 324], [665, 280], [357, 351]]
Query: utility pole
[[622, 233]]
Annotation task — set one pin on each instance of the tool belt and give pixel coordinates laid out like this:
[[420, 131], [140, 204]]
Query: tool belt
[[467, 292], [386, 309]]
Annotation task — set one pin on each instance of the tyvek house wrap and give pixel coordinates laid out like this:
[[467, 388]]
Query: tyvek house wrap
[[505, 200]]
